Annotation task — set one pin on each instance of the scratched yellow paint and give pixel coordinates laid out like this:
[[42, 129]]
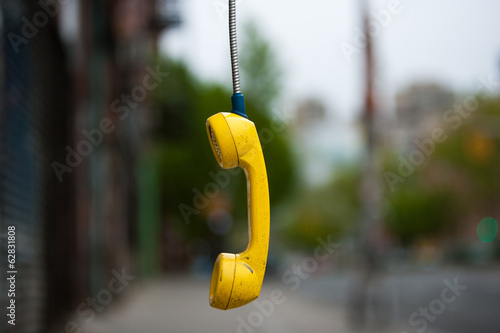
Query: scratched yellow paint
[[237, 278]]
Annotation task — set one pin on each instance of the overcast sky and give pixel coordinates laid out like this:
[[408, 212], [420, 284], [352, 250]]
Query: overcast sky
[[452, 42], [449, 41]]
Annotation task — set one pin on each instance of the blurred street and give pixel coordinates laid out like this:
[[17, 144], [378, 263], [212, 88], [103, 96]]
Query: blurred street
[[180, 304], [393, 298]]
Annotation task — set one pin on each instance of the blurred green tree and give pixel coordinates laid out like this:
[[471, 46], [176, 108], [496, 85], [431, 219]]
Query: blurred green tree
[[186, 164], [261, 74], [459, 179], [332, 209]]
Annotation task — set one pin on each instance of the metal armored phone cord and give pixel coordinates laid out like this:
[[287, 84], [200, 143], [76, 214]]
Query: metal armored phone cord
[[237, 100], [234, 47]]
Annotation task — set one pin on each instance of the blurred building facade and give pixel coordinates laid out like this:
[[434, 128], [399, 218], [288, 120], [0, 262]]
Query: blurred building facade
[[419, 108], [75, 81], [462, 164]]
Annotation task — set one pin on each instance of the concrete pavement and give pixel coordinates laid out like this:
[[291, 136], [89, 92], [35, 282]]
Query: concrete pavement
[[180, 305]]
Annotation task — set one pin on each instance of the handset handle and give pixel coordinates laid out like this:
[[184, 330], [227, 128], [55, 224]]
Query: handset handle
[[252, 162], [237, 278]]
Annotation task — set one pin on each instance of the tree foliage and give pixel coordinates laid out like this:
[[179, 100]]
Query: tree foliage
[[182, 103]]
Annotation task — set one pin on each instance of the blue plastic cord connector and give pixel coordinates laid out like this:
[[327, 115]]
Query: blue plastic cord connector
[[238, 103]]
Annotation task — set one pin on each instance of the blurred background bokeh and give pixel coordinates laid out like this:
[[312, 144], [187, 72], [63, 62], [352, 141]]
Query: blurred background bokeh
[[380, 126]]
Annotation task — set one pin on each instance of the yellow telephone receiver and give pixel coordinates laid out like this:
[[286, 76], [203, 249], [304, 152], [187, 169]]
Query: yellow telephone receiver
[[237, 278]]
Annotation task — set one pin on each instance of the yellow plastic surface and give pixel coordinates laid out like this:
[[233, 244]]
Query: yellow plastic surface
[[237, 278]]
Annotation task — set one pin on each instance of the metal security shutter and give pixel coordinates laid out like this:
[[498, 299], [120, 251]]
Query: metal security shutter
[[34, 118], [21, 180]]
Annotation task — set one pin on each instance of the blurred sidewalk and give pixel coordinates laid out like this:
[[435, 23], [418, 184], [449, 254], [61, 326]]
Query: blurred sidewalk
[[180, 304]]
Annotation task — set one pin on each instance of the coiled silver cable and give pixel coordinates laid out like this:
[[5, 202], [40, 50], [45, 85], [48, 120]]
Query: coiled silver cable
[[234, 47]]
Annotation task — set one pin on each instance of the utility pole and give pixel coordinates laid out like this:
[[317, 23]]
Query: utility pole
[[370, 190]]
